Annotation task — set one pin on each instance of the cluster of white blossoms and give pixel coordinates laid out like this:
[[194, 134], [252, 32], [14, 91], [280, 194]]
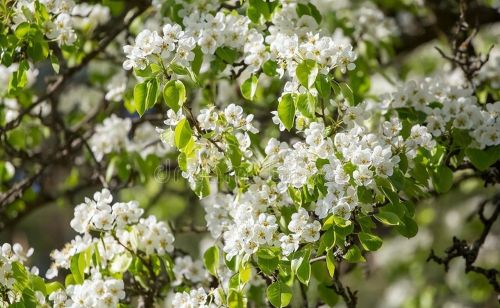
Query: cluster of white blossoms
[[293, 39], [353, 158], [187, 269], [194, 298], [116, 87], [247, 235], [8, 255], [302, 231], [112, 136], [65, 18], [247, 221], [121, 225], [95, 292], [449, 107], [215, 123], [372, 25]]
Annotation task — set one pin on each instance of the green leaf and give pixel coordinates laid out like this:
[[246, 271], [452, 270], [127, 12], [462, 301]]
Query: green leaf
[[152, 93], [387, 218], [442, 178], [183, 134], [22, 30], [211, 260], [53, 286], [306, 104], [249, 87], [198, 60], [327, 295], [77, 267], [202, 186], [407, 227], [365, 195], [234, 151], [353, 255], [306, 73], [38, 284], [235, 300], [55, 64], [330, 262], [140, 93], [326, 241], [269, 68], [347, 93], [38, 50], [286, 110], [300, 265], [323, 86], [121, 263], [20, 275], [369, 241], [483, 159], [279, 294], [174, 94], [245, 274], [267, 261], [229, 55]]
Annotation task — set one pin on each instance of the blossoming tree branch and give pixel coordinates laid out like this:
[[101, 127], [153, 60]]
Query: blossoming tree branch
[[294, 125]]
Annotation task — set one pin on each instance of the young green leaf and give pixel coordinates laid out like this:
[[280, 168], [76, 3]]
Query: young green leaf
[[306, 73], [249, 87], [387, 218], [330, 262], [347, 93], [353, 255], [174, 94], [183, 134], [483, 159], [286, 110], [211, 260], [267, 261], [369, 241], [442, 178], [279, 294]]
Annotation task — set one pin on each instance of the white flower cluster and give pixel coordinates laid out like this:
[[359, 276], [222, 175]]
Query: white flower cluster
[[194, 298], [372, 25], [121, 226], [355, 157], [293, 38], [244, 221], [112, 136], [95, 292], [231, 120], [302, 231], [370, 155], [176, 45], [107, 247], [249, 234], [449, 107], [186, 268], [99, 214], [116, 87], [65, 18], [8, 255]]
